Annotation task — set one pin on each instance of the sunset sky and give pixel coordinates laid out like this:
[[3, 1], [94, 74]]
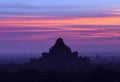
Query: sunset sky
[[32, 26]]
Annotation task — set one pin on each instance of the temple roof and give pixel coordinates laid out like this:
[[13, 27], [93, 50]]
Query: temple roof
[[59, 42], [60, 46]]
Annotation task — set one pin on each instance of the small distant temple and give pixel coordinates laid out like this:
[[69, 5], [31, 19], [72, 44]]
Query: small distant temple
[[60, 57]]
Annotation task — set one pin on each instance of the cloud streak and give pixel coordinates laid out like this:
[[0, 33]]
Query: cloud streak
[[25, 25]]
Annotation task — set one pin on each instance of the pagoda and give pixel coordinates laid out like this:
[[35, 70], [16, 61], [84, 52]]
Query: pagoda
[[60, 57], [60, 51]]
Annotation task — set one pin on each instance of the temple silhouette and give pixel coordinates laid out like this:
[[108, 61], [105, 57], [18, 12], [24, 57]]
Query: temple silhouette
[[60, 64], [60, 57]]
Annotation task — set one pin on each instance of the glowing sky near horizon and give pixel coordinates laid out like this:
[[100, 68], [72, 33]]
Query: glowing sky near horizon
[[32, 26]]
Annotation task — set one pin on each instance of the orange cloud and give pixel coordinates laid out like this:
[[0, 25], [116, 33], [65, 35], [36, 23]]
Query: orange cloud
[[61, 22], [60, 27]]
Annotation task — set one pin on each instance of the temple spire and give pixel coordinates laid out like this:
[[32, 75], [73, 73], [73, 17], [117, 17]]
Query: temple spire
[[59, 42]]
